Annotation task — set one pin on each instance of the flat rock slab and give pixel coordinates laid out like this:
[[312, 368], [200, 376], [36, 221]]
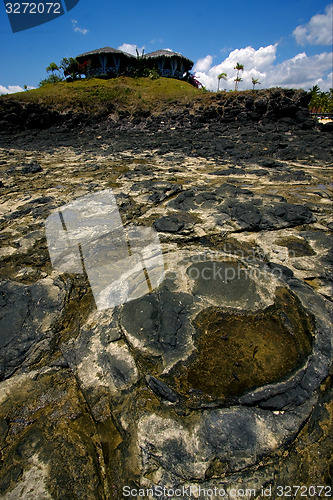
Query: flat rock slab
[[27, 320], [242, 208]]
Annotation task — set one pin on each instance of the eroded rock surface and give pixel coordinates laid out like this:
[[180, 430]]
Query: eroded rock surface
[[218, 377]]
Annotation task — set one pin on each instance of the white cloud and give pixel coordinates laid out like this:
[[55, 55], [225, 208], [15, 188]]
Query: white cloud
[[318, 31], [203, 64], [12, 89], [156, 40], [131, 49], [256, 63], [226, 49], [301, 71], [77, 29], [325, 83]]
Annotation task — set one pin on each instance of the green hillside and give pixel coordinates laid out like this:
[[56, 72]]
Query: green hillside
[[97, 95]]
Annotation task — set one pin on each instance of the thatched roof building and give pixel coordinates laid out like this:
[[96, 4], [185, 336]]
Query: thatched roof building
[[106, 61], [109, 62], [168, 63]]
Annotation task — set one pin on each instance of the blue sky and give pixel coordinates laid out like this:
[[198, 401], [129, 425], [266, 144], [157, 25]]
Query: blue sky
[[284, 42]]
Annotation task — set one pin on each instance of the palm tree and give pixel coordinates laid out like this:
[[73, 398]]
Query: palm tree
[[238, 67], [321, 102], [237, 80], [324, 102], [255, 81], [222, 76], [315, 99], [315, 89], [70, 67]]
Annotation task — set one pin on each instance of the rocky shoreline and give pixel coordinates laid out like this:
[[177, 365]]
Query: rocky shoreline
[[247, 127], [220, 383]]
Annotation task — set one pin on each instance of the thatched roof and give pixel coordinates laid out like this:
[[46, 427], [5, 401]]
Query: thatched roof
[[166, 53], [151, 56], [105, 50]]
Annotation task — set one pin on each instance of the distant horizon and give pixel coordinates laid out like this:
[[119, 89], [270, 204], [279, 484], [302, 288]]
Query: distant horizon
[[284, 44]]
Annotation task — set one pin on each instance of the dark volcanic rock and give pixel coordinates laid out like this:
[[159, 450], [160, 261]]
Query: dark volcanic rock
[[158, 190], [185, 201], [271, 163], [162, 390], [255, 215], [294, 175], [200, 199], [160, 323], [223, 281], [169, 224], [28, 317], [32, 168], [229, 171], [283, 105]]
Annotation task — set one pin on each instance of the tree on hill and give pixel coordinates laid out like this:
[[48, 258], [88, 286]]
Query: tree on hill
[[321, 102], [238, 67], [54, 78], [141, 70], [315, 100], [52, 67], [70, 67], [222, 76], [237, 80], [255, 81], [50, 79], [314, 90]]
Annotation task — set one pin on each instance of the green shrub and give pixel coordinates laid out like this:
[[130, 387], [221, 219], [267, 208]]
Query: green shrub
[[50, 79]]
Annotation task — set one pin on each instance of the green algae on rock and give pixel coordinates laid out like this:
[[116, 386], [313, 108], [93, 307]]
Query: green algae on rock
[[238, 351], [297, 247]]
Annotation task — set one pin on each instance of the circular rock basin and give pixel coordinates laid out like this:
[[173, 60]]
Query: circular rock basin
[[223, 333], [246, 344], [239, 351]]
